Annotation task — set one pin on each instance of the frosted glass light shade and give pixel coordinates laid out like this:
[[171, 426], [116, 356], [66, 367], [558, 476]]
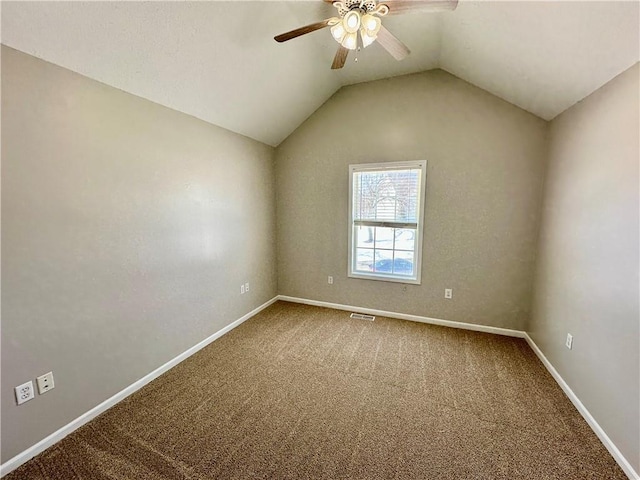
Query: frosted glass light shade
[[351, 21], [366, 38], [370, 28], [350, 41], [371, 24], [338, 32]]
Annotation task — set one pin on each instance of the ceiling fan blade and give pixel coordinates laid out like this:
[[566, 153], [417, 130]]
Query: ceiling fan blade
[[283, 37], [391, 44], [340, 58], [406, 6]]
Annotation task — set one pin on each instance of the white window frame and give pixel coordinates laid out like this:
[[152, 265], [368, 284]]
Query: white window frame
[[362, 167]]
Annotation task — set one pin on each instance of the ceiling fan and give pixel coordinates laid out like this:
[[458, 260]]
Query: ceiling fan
[[364, 17]]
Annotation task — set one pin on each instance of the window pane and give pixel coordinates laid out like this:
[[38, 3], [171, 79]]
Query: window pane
[[405, 238], [364, 260], [389, 195], [364, 236], [384, 261], [384, 237], [403, 263]]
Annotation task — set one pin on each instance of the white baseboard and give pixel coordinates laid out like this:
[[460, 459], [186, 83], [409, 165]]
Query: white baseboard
[[404, 316], [604, 438], [59, 434]]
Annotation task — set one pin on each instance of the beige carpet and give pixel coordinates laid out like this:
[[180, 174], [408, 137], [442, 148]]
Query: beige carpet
[[307, 392]]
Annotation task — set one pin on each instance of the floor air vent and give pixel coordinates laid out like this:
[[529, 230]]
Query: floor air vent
[[362, 316]]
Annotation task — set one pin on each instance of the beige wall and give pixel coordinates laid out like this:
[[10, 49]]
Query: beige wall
[[127, 229], [587, 274], [484, 175]]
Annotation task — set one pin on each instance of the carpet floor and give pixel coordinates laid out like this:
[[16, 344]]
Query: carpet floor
[[306, 392]]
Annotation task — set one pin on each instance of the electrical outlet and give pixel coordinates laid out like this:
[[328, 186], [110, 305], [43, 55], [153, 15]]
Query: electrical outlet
[[242, 289], [330, 280], [246, 287], [569, 342], [24, 392], [45, 383], [448, 293]]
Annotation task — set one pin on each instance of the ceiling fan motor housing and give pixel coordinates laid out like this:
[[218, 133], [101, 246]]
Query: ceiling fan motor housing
[[346, 6]]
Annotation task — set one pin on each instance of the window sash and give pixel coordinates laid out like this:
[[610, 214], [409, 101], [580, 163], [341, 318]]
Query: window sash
[[385, 223], [386, 194]]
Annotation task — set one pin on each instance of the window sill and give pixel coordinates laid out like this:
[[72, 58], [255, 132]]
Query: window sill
[[385, 278]]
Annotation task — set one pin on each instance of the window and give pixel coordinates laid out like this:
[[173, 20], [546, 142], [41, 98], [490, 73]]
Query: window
[[385, 220]]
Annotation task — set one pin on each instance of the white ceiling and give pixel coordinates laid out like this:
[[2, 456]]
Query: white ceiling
[[218, 61]]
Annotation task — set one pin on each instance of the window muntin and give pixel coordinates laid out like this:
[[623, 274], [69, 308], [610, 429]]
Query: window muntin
[[385, 220]]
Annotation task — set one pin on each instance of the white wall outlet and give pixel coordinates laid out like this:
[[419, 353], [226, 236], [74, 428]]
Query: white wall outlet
[[330, 280], [448, 293], [242, 289], [246, 287], [24, 392], [569, 342], [45, 383]]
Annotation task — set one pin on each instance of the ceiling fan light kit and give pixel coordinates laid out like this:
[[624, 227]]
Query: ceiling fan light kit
[[351, 21], [363, 17], [357, 16]]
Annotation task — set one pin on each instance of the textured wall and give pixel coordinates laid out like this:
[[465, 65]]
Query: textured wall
[[127, 229], [484, 174], [587, 273]]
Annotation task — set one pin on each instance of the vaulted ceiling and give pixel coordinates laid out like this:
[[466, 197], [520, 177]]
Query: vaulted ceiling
[[218, 61]]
